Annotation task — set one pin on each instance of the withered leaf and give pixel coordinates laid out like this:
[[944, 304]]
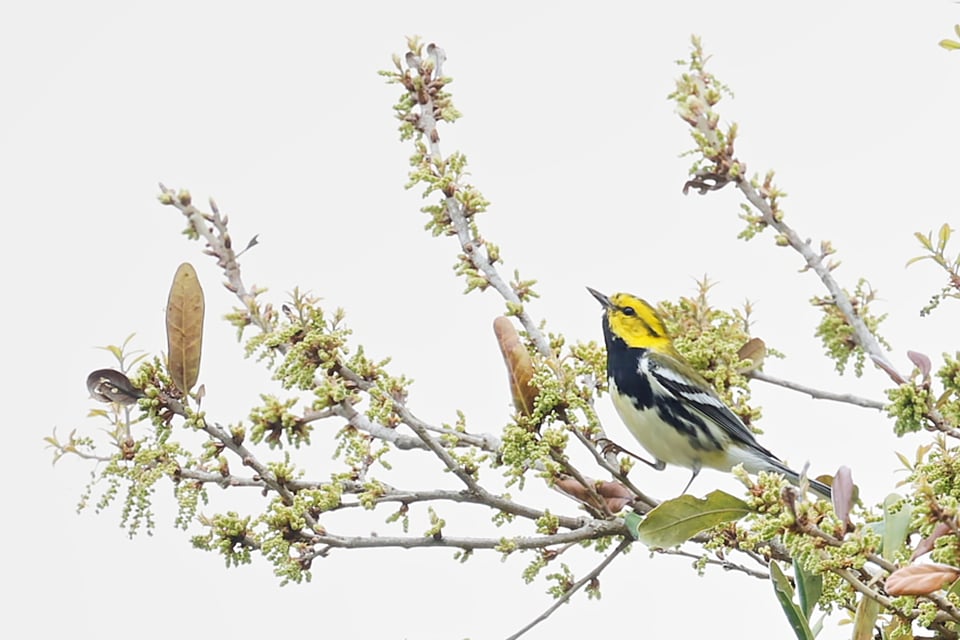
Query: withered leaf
[[754, 350], [184, 327], [519, 365]]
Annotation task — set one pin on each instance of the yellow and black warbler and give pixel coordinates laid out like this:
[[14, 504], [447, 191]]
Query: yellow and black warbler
[[670, 408]]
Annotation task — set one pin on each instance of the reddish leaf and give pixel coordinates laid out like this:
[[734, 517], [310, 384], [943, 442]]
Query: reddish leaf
[[926, 545], [922, 363], [842, 493], [615, 494], [920, 579]]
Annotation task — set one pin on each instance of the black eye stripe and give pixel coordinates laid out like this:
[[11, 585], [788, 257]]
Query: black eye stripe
[[652, 331]]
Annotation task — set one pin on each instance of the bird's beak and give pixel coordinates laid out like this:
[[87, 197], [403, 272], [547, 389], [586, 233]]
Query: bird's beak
[[604, 300]]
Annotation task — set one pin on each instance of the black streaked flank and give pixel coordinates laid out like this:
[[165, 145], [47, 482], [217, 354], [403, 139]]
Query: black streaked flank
[[715, 411], [675, 413]]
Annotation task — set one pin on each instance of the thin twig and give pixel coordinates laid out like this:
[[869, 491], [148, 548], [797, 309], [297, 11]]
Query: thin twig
[[392, 495], [579, 584], [649, 502], [818, 394], [725, 564]]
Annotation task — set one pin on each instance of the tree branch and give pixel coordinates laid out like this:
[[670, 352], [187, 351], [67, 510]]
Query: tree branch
[[429, 69], [590, 531]]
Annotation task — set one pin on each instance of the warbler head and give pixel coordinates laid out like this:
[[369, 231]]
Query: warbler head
[[634, 321]]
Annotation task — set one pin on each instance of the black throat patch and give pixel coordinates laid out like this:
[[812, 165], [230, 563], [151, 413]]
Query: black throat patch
[[622, 367]]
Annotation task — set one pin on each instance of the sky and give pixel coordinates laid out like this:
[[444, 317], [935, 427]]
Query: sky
[[278, 114]]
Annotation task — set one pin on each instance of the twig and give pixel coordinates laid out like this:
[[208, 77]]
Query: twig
[[864, 337], [396, 438], [615, 471], [595, 505], [579, 584], [818, 394], [862, 587], [725, 564], [391, 494]]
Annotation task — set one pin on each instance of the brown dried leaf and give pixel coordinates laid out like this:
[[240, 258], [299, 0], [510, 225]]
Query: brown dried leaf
[[184, 327], [920, 579], [519, 365], [755, 350]]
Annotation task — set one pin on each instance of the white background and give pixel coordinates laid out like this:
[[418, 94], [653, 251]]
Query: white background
[[279, 115]]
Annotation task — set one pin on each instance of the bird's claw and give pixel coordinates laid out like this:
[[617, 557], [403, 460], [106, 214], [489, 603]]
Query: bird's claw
[[608, 446]]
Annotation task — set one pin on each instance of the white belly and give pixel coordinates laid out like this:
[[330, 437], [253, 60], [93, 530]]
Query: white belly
[[664, 442]]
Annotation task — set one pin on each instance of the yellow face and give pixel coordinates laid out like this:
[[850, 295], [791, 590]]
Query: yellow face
[[634, 320]]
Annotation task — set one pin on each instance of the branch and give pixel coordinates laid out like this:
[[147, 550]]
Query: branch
[[855, 582], [479, 496], [590, 531], [696, 98], [579, 584], [429, 69], [818, 394], [399, 440], [863, 336], [430, 101], [949, 613]]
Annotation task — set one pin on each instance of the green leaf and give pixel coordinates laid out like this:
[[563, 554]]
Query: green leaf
[[906, 461], [809, 588], [784, 593], [950, 45], [896, 525], [115, 351], [866, 617], [944, 237], [954, 589], [678, 520], [916, 259], [924, 240]]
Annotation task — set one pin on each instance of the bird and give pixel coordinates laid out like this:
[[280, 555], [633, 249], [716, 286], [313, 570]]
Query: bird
[[673, 412]]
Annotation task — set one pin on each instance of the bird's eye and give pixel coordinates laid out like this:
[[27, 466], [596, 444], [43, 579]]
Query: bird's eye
[[629, 311]]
